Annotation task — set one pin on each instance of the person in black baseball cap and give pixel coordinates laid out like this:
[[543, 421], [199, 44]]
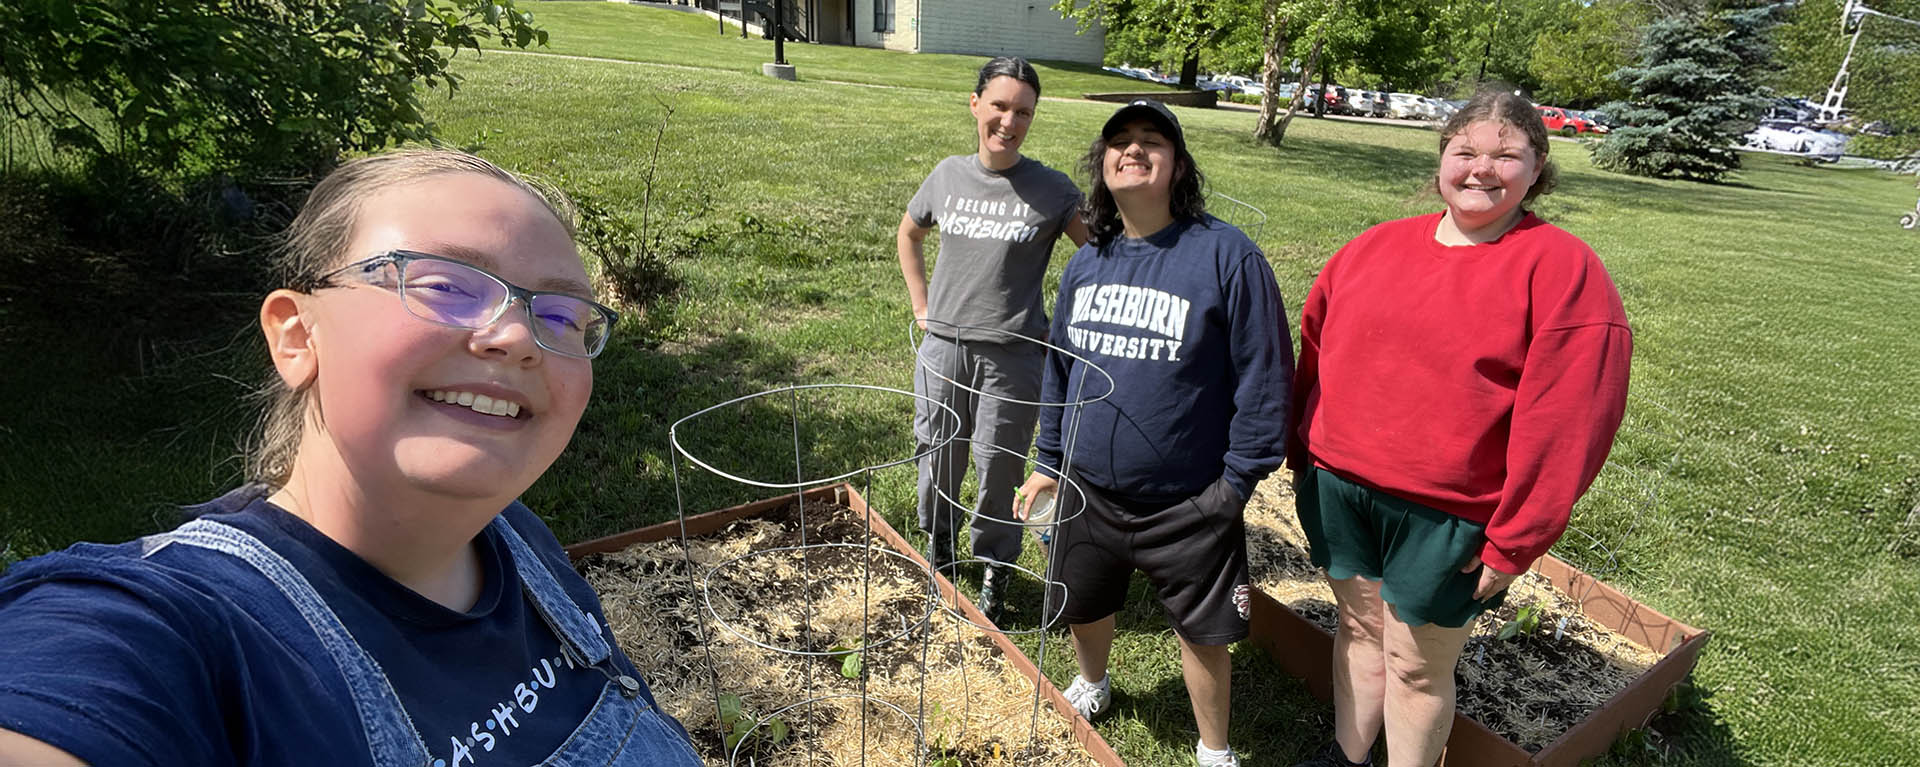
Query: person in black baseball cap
[[1181, 310], [1153, 111], [1176, 182]]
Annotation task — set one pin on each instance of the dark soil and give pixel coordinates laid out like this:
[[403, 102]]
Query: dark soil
[[1530, 689]]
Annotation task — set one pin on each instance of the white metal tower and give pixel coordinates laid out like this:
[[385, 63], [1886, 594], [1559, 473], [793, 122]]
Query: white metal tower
[[1853, 14]]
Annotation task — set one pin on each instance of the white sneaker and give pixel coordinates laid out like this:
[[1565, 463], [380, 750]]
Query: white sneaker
[[1206, 758], [1088, 698]]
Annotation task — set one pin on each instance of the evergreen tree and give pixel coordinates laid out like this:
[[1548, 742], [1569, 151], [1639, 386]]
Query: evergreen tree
[[1695, 92]]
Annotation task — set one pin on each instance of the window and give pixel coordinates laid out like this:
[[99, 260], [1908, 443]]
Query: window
[[883, 15]]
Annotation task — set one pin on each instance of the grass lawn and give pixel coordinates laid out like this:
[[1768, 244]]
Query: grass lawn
[[1764, 486], [617, 31]]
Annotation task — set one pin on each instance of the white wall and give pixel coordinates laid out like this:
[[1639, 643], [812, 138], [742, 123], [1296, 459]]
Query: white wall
[[1028, 28], [902, 38]]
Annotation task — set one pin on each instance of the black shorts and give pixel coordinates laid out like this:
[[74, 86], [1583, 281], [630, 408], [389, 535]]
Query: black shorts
[[1194, 551]]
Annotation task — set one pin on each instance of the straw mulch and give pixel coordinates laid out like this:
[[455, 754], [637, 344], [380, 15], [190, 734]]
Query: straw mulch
[[975, 708], [1529, 689]]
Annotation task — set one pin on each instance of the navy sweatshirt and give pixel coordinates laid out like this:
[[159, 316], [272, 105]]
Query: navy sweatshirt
[[1190, 325]]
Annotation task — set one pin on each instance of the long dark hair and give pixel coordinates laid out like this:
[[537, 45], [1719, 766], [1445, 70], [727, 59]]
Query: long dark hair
[[1498, 102], [1103, 214], [1008, 66]]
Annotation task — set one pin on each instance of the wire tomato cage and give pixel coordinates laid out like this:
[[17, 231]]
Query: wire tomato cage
[[720, 439]]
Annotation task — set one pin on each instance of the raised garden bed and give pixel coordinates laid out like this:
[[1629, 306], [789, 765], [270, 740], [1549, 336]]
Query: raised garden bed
[[1597, 664], [982, 715], [977, 707]]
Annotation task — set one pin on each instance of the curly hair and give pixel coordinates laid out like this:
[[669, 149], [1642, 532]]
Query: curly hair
[[1102, 214]]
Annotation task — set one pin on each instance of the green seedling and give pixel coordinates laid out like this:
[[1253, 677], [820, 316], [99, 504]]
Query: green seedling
[[853, 663], [737, 723], [1525, 622]]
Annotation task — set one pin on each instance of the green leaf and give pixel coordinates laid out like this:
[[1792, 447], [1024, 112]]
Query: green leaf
[[730, 707], [777, 730], [850, 666]]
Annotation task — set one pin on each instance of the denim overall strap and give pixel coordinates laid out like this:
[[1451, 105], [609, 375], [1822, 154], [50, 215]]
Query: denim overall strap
[[391, 738], [579, 633]]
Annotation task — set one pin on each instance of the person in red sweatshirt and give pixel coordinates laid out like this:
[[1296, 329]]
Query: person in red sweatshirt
[[1460, 379]]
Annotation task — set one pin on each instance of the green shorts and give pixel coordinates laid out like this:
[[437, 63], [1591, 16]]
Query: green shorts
[[1414, 552]]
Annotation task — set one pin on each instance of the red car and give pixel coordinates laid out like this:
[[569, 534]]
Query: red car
[[1560, 121]]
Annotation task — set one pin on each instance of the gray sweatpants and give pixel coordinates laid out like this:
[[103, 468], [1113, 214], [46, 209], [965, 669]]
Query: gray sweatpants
[[1002, 372]]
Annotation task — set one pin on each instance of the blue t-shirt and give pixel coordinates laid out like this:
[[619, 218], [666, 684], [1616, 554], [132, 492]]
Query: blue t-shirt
[[1189, 323], [121, 660]]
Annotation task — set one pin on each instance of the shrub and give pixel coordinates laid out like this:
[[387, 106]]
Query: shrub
[[198, 85]]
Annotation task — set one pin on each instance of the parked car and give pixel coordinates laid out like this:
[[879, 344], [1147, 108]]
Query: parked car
[[1784, 136], [1592, 120], [1408, 106], [1333, 95], [1221, 86], [1380, 104], [1602, 120], [1559, 121], [1240, 83], [1336, 99], [1792, 110], [1360, 102]]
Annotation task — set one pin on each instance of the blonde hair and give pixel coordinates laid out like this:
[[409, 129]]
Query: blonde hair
[[316, 243]]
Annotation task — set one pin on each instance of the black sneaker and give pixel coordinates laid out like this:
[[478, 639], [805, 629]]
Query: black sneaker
[[940, 555], [992, 602], [1330, 756]]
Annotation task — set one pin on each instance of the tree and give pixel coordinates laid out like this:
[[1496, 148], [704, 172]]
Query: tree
[[1386, 43], [172, 85], [1573, 63], [1162, 33], [1484, 41], [1282, 16], [1694, 93]]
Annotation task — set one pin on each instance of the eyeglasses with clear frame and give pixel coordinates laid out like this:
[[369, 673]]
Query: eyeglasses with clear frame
[[456, 294]]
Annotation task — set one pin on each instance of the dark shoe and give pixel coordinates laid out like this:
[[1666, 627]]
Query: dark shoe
[[940, 555], [992, 601], [1330, 756]]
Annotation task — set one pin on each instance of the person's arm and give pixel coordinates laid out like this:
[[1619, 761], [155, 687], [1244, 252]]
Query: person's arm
[[1306, 371], [1053, 386], [1047, 447], [20, 750], [1076, 228], [910, 241], [1572, 395], [1261, 351], [105, 667], [1567, 407]]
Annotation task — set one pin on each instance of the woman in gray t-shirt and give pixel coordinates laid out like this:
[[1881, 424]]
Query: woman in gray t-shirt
[[999, 215]]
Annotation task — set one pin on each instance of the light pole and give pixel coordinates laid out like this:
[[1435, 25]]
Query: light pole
[[779, 32]]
